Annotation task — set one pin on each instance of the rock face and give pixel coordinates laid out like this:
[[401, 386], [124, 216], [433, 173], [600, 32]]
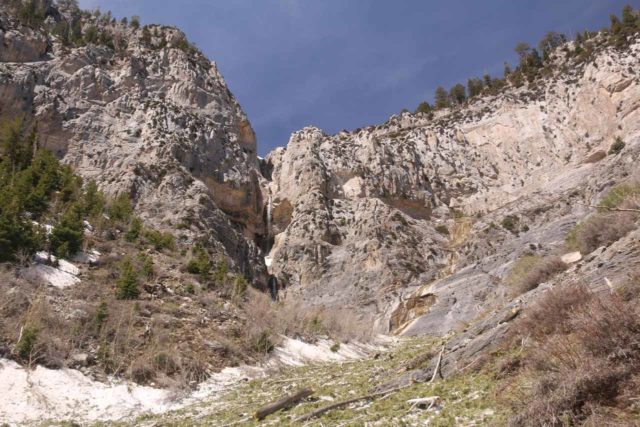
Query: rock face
[[415, 221], [144, 114], [379, 218]]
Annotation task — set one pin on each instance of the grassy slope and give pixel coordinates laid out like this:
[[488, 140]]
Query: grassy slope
[[465, 400]]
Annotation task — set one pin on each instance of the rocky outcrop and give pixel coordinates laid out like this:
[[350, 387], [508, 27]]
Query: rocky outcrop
[[379, 218], [147, 115]]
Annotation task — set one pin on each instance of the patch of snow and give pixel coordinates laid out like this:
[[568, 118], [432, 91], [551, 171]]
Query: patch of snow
[[67, 394], [41, 394], [267, 261], [294, 352]]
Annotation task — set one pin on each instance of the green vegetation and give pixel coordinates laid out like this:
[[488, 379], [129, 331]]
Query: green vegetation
[[617, 146], [30, 12], [200, 263], [442, 229], [102, 313], [134, 22], [606, 226], [621, 194], [263, 343], [511, 223], [146, 269], [576, 360], [27, 344], [530, 271], [463, 400], [120, 208], [36, 187], [127, 283], [534, 63]]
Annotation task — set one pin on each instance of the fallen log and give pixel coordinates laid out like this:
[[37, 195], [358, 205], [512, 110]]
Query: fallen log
[[337, 405], [285, 402]]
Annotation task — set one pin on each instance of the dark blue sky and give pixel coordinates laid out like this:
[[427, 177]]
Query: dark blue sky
[[343, 64]]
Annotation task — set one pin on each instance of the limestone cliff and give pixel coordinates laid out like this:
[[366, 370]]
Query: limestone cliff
[[141, 112], [374, 217]]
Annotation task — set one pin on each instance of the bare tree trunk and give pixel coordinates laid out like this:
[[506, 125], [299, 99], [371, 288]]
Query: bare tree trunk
[[285, 402]]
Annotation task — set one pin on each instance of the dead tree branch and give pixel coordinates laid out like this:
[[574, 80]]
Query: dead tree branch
[[436, 372]]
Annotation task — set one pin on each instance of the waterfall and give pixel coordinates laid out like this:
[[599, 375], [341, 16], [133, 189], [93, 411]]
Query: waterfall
[[269, 209]]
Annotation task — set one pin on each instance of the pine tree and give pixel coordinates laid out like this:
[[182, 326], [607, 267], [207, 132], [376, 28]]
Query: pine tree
[[549, 42], [458, 94], [67, 234], [475, 86], [127, 284], [507, 70], [424, 107], [441, 99]]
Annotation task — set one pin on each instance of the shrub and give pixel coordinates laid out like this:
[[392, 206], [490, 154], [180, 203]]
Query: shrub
[[182, 44], [294, 320], [510, 223], [127, 284], [600, 230], [530, 271], [201, 264], [32, 12], [581, 361], [146, 269], [102, 313], [239, 288], [134, 231], [160, 240], [220, 275], [617, 146], [91, 34], [27, 345], [442, 229], [620, 195], [120, 208], [263, 343]]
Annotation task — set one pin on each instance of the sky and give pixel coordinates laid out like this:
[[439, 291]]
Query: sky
[[344, 64]]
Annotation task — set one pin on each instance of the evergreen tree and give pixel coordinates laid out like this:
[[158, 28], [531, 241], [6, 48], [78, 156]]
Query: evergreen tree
[[458, 94], [475, 86], [523, 50], [93, 200], [549, 42], [66, 236], [127, 283], [487, 82], [135, 22], [630, 20], [507, 70], [441, 99], [424, 107]]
